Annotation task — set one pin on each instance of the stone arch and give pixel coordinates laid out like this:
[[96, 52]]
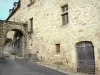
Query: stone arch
[[17, 43], [12, 26], [84, 42], [20, 32], [15, 29]]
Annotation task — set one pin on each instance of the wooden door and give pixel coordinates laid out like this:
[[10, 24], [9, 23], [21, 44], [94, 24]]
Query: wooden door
[[85, 56]]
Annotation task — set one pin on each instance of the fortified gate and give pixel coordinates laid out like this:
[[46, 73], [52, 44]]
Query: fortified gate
[[18, 43]]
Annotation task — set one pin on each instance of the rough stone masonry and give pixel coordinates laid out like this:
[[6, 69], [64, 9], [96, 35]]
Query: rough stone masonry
[[80, 36]]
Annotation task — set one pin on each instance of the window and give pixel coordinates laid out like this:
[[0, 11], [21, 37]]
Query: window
[[58, 48], [65, 14], [30, 27]]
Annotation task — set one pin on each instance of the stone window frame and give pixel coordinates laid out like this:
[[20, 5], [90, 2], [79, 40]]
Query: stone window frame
[[64, 14], [31, 2]]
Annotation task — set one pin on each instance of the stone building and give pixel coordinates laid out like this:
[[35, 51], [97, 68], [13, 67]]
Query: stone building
[[64, 33]]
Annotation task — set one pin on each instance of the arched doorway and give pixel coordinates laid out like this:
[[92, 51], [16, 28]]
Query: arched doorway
[[85, 57], [14, 42]]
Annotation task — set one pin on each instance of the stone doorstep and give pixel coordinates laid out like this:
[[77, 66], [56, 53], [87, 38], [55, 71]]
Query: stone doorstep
[[59, 70]]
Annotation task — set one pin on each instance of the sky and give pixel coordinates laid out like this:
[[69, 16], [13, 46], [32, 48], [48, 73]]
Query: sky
[[5, 5]]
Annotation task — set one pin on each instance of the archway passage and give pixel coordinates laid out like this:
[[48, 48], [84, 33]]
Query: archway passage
[[85, 56], [13, 42]]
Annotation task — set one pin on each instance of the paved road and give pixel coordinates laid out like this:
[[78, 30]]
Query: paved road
[[22, 67]]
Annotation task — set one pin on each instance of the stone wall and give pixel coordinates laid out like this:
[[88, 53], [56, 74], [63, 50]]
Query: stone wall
[[84, 20], [1, 39]]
